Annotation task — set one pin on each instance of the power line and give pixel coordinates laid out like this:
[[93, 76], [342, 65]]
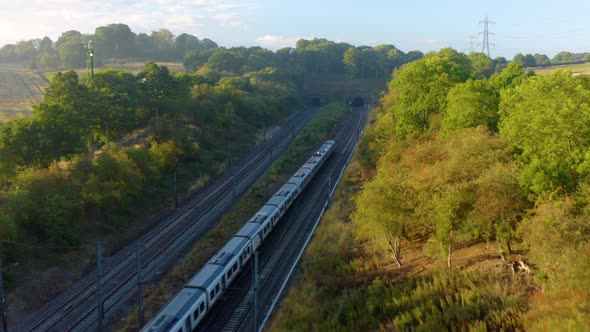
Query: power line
[[485, 44]]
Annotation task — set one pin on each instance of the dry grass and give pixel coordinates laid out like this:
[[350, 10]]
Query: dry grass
[[336, 265], [577, 69], [19, 90]]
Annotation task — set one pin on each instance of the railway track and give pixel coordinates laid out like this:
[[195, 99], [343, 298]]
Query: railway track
[[283, 248], [76, 308]]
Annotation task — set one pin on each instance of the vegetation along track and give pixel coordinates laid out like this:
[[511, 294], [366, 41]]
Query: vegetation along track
[[76, 308], [282, 249]]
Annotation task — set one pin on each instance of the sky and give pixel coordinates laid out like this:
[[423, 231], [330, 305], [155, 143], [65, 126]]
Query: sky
[[521, 26]]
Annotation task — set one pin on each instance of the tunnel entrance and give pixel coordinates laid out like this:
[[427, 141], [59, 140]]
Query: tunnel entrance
[[357, 102], [316, 102]]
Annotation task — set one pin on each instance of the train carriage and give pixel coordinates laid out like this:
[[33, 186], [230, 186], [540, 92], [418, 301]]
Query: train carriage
[[188, 308], [183, 313]]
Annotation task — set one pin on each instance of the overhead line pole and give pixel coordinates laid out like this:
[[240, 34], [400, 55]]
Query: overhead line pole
[[485, 44]]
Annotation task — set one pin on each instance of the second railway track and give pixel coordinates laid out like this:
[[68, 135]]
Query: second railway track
[[75, 309]]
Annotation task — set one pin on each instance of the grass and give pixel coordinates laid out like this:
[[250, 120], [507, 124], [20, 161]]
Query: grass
[[340, 286], [19, 90], [157, 295], [577, 69]]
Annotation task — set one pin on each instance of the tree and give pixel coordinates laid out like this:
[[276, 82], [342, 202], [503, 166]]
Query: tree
[[381, 213], [352, 61], [207, 44], [527, 60], [500, 204], [70, 46], [48, 56], [512, 75], [450, 207], [471, 104], [483, 66], [499, 64], [420, 89], [163, 43], [116, 95], [225, 60], [541, 59], [563, 57], [184, 43], [114, 40], [548, 118], [156, 86]]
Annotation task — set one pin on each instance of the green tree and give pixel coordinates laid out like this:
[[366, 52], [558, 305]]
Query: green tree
[[382, 213], [156, 86], [471, 104], [420, 89], [541, 59], [562, 57], [512, 75], [114, 40], [116, 96], [184, 43], [483, 66], [71, 49], [548, 118], [527, 60]]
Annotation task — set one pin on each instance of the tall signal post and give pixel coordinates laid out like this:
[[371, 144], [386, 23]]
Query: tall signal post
[[90, 61], [485, 44]]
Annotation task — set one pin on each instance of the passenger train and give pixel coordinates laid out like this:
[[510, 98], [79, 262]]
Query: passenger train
[[184, 312]]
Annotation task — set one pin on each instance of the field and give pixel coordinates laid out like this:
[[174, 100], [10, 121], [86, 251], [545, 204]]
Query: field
[[19, 90], [577, 69]]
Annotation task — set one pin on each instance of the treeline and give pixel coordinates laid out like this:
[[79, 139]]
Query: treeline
[[116, 42], [317, 56], [540, 60], [98, 153], [458, 158]]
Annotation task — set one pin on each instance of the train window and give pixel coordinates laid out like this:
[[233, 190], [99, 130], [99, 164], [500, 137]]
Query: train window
[[196, 314], [202, 306], [212, 295], [228, 275], [217, 288], [235, 267]]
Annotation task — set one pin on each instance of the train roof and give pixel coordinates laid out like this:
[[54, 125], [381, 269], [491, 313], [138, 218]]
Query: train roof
[[232, 248], [279, 196], [249, 229], [174, 310], [206, 276], [263, 214]]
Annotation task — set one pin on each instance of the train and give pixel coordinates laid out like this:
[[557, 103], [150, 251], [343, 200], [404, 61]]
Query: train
[[184, 312]]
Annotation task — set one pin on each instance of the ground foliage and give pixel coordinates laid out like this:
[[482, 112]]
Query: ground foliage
[[315, 133], [458, 155], [96, 154]]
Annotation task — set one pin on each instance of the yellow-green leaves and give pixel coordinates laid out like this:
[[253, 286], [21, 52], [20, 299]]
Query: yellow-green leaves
[[548, 118]]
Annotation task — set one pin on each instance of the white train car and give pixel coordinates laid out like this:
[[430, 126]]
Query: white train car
[[190, 305]]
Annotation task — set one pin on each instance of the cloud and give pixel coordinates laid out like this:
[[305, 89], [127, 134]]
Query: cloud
[[23, 20], [275, 42]]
